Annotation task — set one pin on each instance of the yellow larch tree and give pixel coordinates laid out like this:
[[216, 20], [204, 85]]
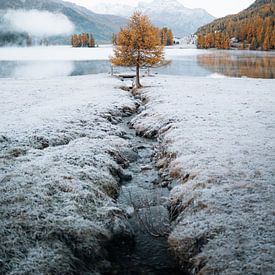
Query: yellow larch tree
[[138, 45]]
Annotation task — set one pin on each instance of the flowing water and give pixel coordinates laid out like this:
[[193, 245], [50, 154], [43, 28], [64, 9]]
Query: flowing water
[[147, 206]]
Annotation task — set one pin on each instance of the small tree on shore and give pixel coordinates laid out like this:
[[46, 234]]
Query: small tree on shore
[[83, 40], [91, 41], [166, 36], [138, 45]]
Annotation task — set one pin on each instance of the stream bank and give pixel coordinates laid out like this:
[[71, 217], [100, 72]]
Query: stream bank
[[144, 250]]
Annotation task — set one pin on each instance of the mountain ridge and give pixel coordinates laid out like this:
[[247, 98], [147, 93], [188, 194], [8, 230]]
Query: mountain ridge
[[169, 13], [102, 26]]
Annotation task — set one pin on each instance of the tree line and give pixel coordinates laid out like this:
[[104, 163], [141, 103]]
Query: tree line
[[83, 40], [165, 36], [251, 29]]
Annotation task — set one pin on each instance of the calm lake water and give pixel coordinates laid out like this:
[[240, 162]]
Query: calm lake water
[[209, 63]]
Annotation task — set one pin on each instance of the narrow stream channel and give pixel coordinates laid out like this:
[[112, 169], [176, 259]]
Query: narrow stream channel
[[148, 214]]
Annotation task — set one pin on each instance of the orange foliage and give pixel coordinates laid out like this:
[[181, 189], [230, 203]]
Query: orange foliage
[[166, 37], [83, 40], [252, 28], [263, 67], [138, 45]]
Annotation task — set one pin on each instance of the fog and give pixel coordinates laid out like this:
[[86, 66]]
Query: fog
[[37, 23], [40, 70]]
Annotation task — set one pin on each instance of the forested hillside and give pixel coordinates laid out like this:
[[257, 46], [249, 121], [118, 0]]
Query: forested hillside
[[253, 28]]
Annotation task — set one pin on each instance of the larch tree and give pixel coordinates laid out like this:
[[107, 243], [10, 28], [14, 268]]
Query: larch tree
[[138, 45], [91, 41]]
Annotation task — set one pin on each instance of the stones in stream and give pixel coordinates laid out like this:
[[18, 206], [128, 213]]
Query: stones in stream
[[146, 206], [139, 197]]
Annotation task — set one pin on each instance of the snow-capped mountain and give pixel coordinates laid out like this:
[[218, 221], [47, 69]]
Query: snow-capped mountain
[[169, 13], [174, 15], [112, 8]]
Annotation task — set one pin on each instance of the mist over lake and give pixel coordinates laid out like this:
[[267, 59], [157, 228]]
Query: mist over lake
[[56, 61]]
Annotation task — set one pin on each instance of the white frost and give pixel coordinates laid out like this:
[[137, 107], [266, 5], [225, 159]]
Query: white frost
[[223, 134], [56, 183]]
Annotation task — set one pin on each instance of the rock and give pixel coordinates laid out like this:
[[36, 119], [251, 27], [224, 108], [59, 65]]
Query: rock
[[130, 154], [155, 181], [121, 229], [123, 176], [161, 163], [119, 158], [129, 211], [146, 167], [119, 174], [164, 184]]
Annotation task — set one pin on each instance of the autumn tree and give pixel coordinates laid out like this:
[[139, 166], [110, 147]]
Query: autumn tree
[[138, 45], [114, 39], [91, 41], [163, 36], [166, 36], [266, 43], [252, 29], [83, 40], [201, 41], [76, 42]]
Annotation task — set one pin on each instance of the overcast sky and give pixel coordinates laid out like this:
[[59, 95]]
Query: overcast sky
[[217, 8]]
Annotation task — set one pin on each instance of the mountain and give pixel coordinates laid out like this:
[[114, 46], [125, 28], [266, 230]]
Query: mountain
[[252, 28], [174, 15], [123, 10], [101, 25], [168, 13], [259, 3]]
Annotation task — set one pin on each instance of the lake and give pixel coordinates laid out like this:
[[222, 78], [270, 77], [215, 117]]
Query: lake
[[47, 62]]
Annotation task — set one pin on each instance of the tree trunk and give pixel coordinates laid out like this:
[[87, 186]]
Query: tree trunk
[[138, 85]]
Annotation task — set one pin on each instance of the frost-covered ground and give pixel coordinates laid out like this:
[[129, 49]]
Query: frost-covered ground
[[218, 138], [59, 174]]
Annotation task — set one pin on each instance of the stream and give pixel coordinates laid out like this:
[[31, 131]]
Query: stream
[[146, 202]]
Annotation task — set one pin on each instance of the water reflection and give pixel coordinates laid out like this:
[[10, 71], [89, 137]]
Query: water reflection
[[39, 70], [239, 64], [49, 69], [187, 66], [210, 64]]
